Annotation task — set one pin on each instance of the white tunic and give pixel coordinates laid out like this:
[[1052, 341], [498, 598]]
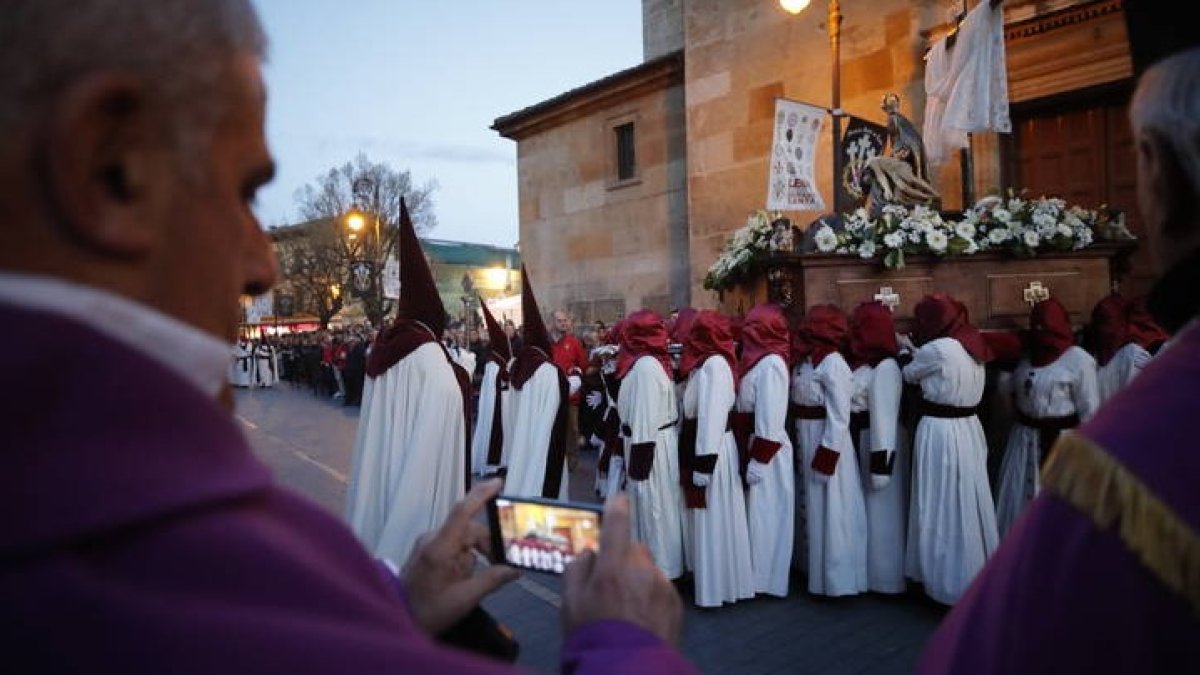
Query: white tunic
[[952, 521], [484, 418], [241, 370], [877, 391], [720, 536], [1121, 369], [266, 366], [771, 503], [408, 469], [1066, 386], [835, 511], [646, 404], [535, 406]]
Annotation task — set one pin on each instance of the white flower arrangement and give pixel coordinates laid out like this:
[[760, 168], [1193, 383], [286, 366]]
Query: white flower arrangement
[[1020, 226], [734, 262], [1017, 225]]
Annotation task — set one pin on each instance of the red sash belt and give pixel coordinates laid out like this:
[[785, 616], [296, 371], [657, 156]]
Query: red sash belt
[[808, 412], [927, 408]]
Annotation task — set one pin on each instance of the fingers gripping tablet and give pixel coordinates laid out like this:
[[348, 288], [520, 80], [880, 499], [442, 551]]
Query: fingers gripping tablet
[[541, 534]]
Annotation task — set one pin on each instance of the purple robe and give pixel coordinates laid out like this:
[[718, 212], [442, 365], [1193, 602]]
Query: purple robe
[[139, 534], [1066, 595]]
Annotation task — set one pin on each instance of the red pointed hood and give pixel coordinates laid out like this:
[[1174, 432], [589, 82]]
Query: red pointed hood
[[709, 334], [1143, 329], [1109, 330], [419, 299], [678, 330], [498, 342], [533, 329], [1050, 333], [872, 334], [764, 332], [826, 331], [938, 315], [642, 334], [535, 349]]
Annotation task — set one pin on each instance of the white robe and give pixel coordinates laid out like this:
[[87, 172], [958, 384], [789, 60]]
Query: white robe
[[266, 366], [1121, 369], [952, 521], [720, 535], [877, 391], [481, 440], [771, 503], [835, 510], [1065, 387], [241, 370], [535, 406], [408, 469], [646, 404]]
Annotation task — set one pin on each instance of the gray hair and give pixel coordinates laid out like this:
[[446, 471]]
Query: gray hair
[[177, 46], [1167, 105]]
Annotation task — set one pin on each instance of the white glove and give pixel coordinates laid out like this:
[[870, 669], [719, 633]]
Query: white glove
[[701, 479], [905, 342], [593, 399], [755, 472], [573, 384], [597, 442], [879, 481]]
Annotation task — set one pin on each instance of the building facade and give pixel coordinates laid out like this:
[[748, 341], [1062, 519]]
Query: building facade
[[700, 110]]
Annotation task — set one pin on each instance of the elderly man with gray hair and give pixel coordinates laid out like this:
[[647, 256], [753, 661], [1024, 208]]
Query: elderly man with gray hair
[[139, 533]]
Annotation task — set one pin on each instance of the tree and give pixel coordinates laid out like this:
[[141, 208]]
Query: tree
[[372, 191], [312, 257]]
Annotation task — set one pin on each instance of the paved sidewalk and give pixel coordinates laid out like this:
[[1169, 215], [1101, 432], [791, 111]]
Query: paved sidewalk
[[308, 441]]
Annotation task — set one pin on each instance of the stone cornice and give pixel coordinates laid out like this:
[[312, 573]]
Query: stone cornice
[[1045, 23], [650, 76]]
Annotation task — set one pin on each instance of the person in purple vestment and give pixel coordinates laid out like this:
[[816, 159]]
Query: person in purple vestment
[[138, 532], [1102, 572]]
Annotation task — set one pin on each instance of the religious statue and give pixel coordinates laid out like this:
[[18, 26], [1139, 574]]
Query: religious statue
[[900, 175]]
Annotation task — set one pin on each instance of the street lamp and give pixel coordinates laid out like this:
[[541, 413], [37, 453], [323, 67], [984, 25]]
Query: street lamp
[[835, 47]]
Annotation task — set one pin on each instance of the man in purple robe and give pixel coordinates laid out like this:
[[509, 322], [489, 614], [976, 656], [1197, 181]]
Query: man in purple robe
[[138, 533], [1102, 572]]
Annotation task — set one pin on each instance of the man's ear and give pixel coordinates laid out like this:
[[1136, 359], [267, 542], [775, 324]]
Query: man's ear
[[101, 155], [1170, 185]]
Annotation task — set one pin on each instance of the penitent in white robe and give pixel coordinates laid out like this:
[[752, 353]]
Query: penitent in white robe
[[535, 406], [877, 391], [771, 503], [241, 370], [720, 536], [646, 404], [407, 471], [951, 520], [266, 366], [1121, 369], [835, 510], [1067, 386], [488, 390]]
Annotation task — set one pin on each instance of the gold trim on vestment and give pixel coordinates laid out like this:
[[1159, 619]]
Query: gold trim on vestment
[[1091, 480]]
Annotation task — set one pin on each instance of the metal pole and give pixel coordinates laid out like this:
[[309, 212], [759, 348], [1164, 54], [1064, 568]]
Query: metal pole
[[835, 46]]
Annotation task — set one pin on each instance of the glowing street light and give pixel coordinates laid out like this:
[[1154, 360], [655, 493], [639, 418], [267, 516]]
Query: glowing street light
[[793, 6], [356, 221]]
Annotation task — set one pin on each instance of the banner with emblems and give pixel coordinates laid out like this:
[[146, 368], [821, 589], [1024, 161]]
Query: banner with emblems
[[791, 186]]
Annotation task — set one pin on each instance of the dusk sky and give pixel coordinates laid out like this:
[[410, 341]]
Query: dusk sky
[[417, 84]]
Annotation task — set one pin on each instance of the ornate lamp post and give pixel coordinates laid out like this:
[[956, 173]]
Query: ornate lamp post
[[835, 105]]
